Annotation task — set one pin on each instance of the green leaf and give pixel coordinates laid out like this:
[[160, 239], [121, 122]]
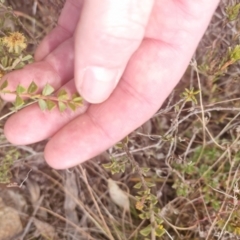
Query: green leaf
[[50, 104], [62, 95], [42, 104], [72, 106], [233, 11], [62, 106], [149, 184], [146, 231], [138, 185], [143, 216], [235, 53], [122, 168], [77, 98], [107, 165], [20, 89], [158, 219], [125, 140], [27, 58], [160, 231], [153, 199], [119, 145], [4, 61], [32, 88], [18, 102], [47, 90], [4, 85], [145, 170], [19, 66], [16, 62]]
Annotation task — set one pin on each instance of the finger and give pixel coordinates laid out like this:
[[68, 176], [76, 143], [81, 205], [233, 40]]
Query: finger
[[65, 28], [56, 69], [150, 76], [106, 36], [41, 124]]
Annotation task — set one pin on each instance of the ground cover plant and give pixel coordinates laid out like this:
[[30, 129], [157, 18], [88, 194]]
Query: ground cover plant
[[176, 177]]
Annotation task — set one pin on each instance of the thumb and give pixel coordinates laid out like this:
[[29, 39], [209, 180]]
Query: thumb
[[108, 33]]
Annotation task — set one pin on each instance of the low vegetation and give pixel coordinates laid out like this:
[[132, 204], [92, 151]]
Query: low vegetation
[[176, 177]]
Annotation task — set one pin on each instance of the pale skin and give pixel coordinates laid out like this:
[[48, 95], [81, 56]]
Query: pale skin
[[146, 46]]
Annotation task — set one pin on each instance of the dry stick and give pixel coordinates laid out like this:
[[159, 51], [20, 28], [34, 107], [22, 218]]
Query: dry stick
[[173, 143], [167, 109], [25, 179], [126, 210], [170, 99], [86, 210], [37, 206], [220, 210], [224, 101], [135, 164], [161, 214], [212, 138], [15, 15], [218, 136], [190, 144], [14, 111], [188, 202], [34, 12], [194, 112], [80, 230], [205, 206], [98, 199], [227, 125], [194, 64], [222, 131], [136, 230], [227, 194], [95, 203], [140, 173], [219, 159], [33, 19], [225, 225]]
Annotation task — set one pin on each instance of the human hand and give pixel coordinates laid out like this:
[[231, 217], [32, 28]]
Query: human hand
[[145, 46]]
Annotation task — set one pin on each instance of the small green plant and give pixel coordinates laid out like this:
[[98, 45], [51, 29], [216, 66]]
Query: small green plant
[[146, 202], [5, 164], [217, 64], [233, 11], [45, 99], [13, 57], [180, 182], [12, 52], [189, 95], [116, 166]]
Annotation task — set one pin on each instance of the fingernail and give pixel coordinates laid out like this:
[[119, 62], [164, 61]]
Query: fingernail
[[98, 83]]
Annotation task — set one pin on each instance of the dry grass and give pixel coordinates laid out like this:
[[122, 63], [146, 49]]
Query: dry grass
[[191, 149]]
